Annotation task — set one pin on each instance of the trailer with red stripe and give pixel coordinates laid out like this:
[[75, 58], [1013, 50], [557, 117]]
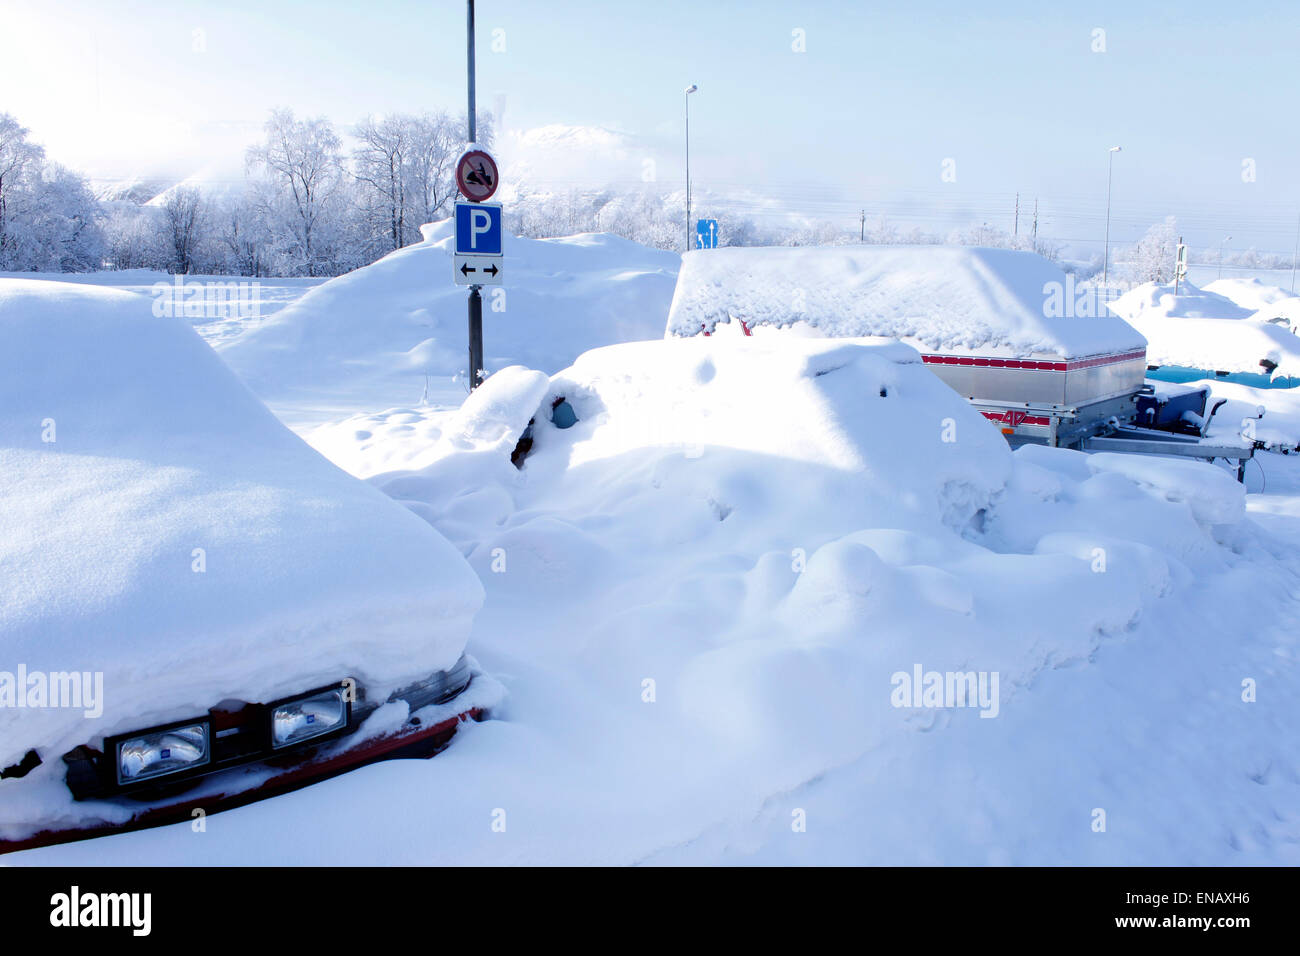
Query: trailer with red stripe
[[983, 320]]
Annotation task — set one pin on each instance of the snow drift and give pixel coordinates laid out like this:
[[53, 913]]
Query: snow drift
[[704, 589], [1200, 329], [374, 337], [1250, 294], [160, 526], [703, 593], [994, 301]]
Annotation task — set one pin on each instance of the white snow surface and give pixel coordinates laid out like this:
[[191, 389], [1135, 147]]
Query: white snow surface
[[1153, 299], [1268, 415], [158, 450], [937, 298], [1198, 328], [394, 332], [700, 597], [1250, 294]]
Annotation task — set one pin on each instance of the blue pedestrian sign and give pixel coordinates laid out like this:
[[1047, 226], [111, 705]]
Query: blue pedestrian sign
[[478, 229], [706, 234]]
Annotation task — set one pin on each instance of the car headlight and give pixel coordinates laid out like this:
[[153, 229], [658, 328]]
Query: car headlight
[[312, 715], [162, 751], [438, 687]]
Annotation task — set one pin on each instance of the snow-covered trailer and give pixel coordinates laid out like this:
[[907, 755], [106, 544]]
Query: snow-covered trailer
[[998, 326]]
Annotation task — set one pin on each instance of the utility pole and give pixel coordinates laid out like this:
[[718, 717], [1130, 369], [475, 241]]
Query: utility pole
[[1035, 223], [862, 233], [689, 90], [1295, 254], [1105, 259], [475, 299], [1016, 231]]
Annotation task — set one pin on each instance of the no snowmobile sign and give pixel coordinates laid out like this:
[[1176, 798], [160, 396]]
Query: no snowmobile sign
[[476, 175]]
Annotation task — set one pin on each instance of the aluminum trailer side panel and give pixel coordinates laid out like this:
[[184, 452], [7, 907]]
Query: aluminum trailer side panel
[[1042, 379], [1091, 379]]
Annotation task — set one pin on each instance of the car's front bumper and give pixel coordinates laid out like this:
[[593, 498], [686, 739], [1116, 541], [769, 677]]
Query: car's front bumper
[[403, 726]]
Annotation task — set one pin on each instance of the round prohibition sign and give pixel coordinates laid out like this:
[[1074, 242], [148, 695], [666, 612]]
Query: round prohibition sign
[[476, 175]]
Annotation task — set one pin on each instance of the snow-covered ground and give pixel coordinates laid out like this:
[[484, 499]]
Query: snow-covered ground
[[1231, 325], [709, 595], [394, 333], [231, 305]]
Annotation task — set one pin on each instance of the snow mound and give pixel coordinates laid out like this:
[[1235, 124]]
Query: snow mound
[[372, 338], [934, 297], [706, 590], [1250, 294], [720, 569], [1283, 312], [1199, 329], [160, 526], [1153, 300]]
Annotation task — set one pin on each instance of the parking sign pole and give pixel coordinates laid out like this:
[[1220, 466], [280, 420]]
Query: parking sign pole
[[475, 299]]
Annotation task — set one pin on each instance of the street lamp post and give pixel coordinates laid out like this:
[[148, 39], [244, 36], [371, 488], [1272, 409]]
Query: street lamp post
[[1105, 260], [689, 90], [1226, 240]]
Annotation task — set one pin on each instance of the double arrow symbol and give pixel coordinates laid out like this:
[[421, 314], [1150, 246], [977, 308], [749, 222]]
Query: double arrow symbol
[[491, 270]]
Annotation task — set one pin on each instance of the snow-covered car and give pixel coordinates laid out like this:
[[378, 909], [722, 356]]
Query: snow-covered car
[[196, 609]]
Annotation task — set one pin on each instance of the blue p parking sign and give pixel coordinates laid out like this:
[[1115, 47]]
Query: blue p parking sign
[[478, 229]]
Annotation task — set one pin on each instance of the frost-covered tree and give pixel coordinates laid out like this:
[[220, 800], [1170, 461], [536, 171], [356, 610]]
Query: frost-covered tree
[[54, 224], [20, 161], [183, 213], [381, 167], [241, 238], [436, 142], [132, 236], [303, 168], [1152, 259]]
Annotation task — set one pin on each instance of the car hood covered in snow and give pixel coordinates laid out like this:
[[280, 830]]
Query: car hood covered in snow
[[160, 527]]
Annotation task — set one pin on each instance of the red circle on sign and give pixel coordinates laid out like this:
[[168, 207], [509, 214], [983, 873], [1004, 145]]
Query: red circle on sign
[[476, 175]]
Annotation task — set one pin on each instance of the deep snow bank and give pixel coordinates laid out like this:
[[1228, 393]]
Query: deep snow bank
[[1198, 328], [1250, 294], [376, 333], [702, 595], [1151, 299], [707, 586], [994, 301], [126, 446]]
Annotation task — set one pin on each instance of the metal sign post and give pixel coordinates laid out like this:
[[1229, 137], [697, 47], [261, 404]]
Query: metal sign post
[[475, 300], [477, 261]]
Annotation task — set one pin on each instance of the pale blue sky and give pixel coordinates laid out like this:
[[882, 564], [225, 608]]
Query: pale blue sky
[[865, 117]]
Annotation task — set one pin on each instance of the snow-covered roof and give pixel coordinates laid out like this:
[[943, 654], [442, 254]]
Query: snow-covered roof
[[160, 526], [939, 298]]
